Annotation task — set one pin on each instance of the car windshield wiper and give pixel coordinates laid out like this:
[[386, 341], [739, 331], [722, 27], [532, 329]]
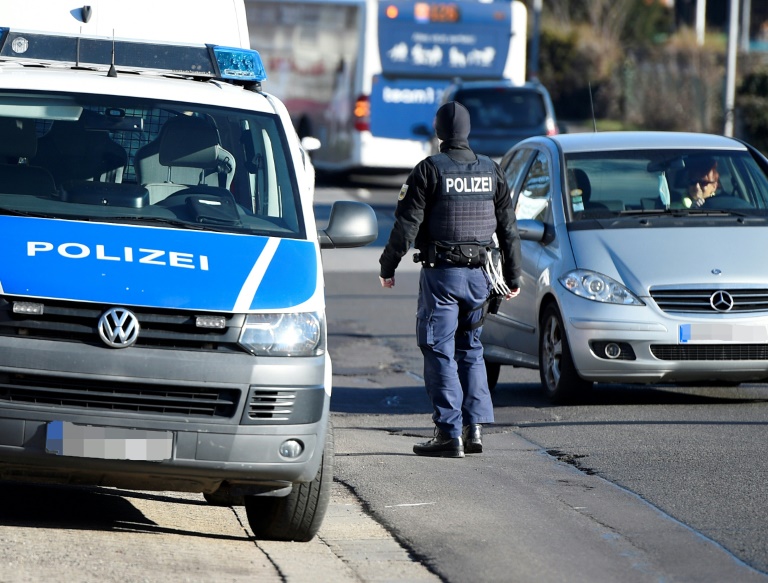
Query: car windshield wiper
[[685, 212]]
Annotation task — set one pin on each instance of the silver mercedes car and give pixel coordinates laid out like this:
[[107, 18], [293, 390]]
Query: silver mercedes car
[[645, 260]]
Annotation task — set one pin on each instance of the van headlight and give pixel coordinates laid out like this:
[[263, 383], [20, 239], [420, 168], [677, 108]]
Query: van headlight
[[283, 334], [599, 288]]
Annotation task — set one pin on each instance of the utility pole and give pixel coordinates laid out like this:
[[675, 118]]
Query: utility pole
[[701, 20], [746, 14], [730, 71], [533, 57]]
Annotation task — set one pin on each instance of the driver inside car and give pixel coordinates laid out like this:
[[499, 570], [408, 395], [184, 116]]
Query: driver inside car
[[703, 181]]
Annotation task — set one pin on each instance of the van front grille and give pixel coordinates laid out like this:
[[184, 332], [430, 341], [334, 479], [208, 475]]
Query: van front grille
[[183, 401], [160, 328]]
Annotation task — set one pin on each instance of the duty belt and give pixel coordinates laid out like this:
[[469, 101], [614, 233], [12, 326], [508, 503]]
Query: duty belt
[[460, 255]]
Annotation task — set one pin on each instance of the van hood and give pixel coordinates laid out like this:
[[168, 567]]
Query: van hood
[[156, 267], [684, 257]]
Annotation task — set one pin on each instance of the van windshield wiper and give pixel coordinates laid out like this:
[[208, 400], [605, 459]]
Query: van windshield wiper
[[18, 213]]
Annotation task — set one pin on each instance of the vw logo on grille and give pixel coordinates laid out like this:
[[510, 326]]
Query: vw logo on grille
[[119, 328], [721, 301]]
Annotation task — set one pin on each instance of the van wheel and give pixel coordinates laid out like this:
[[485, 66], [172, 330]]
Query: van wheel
[[559, 378], [492, 371], [298, 516]]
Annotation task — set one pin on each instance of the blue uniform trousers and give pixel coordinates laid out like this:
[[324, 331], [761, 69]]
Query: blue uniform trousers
[[450, 300]]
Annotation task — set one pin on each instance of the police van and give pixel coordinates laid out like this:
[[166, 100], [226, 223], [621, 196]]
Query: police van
[[162, 311]]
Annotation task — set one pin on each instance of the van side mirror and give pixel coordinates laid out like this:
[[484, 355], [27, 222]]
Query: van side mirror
[[423, 131], [310, 144], [351, 224]]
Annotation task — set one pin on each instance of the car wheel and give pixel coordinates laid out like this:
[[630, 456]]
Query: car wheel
[[298, 516], [492, 371], [559, 378]]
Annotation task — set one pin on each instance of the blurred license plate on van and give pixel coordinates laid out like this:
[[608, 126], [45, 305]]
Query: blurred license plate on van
[[108, 443], [722, 334]]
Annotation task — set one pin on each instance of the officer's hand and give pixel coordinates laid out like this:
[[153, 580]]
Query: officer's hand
[[513, 293], [387, 282]]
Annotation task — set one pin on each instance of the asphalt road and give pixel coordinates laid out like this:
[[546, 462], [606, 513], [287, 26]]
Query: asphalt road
[[654, 483]]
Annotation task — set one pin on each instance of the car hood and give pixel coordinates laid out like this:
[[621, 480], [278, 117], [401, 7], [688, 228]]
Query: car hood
[[688, 256], [132, 265]]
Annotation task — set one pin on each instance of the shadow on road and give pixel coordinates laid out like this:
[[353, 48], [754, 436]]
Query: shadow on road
[[531, 395], [86, 508]]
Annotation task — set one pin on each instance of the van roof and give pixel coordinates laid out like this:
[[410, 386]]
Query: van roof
[[221, 22]]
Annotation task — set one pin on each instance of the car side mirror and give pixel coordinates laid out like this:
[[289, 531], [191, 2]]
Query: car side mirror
[[531, 230]]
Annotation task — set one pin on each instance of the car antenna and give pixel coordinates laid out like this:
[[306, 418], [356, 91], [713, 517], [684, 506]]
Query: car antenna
[[112, 72], [592, 105]]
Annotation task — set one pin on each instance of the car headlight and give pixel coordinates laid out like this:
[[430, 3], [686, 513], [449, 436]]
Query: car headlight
[[283, 334], [599, 288]]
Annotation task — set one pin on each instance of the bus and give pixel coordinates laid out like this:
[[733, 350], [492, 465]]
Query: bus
[[365, 77]]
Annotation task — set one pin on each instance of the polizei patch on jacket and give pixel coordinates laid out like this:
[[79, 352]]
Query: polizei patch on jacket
[[467, 184], [403, 192]]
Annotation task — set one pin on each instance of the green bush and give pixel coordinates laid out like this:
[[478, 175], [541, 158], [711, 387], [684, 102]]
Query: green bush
[[752, 106]]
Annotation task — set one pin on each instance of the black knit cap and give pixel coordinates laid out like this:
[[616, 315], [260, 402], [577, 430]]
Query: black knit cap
[[452, 121]]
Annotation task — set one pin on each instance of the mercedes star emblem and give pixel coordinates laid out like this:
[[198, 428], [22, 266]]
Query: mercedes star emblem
[[721, 301]]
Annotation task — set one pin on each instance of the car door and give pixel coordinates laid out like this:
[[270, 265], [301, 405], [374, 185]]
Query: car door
[[531, 200]]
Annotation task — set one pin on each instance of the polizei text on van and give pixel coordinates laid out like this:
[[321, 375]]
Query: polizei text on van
[[127, 254]]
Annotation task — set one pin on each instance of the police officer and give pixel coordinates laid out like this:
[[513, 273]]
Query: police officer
[[450, 207]]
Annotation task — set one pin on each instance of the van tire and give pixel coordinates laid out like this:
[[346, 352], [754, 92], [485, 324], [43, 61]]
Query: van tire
[[298, 516]]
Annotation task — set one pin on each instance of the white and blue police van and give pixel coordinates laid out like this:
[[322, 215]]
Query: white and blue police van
[[162, 311]]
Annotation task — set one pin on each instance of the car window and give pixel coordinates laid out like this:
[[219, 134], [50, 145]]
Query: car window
[[516, 165], [501, 108], [534, 197]]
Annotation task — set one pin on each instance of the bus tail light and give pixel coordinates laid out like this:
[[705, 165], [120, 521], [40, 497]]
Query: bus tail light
[[362, 113]]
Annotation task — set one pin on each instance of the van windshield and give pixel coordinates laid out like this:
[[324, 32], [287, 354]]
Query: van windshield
[[124, 159]]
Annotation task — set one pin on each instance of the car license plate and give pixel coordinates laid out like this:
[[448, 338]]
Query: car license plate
[[109, 443], [722, 334]]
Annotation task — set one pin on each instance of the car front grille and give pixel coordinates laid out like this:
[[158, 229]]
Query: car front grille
[[184, 401], [710, 351], [703, 301], [160, 328]]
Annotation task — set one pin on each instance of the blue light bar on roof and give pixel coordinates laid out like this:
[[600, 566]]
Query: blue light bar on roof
[[197, 61], [239, 64]]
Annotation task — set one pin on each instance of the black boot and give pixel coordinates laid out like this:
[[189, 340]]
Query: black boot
[[473, 438], [441, 445]]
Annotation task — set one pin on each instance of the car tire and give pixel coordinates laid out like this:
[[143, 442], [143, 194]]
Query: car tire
[[559, 378], [492, 372], [298, 516]]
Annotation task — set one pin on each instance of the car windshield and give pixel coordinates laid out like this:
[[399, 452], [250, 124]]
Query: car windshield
[[124, 159], [617, 183], [502, 108]]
